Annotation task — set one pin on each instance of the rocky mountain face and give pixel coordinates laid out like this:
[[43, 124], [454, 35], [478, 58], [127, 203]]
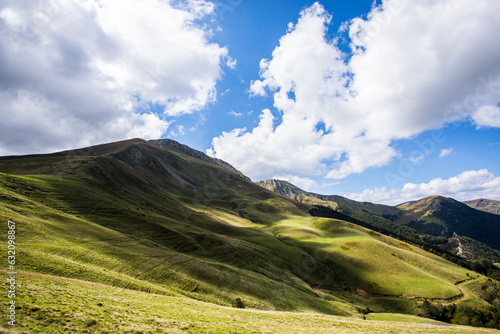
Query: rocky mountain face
[[486, 205], [282, 187], [169, 144]]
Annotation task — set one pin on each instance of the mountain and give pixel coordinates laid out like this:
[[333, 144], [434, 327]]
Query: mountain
[[172, 144], [486, 205], [432, 216], [287, 189], [438, 215], [118, 237]]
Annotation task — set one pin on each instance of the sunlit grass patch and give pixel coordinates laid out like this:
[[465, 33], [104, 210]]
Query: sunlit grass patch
[[395, 317]]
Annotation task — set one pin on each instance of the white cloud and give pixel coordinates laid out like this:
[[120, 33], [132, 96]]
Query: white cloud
[[181, 131], [303, 183], [235, 114], [465, 186], [487, 116], [416, 66], [231, 63], [417, 158], [330, 184], [74, 73], [445, 152]]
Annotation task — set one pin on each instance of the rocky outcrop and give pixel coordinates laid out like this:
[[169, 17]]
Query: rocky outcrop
[[281, 187], [169, 143]]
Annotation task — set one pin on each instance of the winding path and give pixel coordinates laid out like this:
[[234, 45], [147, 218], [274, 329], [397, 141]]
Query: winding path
[[453, 299]]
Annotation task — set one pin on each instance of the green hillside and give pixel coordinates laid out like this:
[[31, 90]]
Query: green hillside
[[157, 224], [54, 304], [430, 221]]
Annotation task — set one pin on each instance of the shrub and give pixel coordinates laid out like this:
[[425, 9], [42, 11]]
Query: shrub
[[239, 303]]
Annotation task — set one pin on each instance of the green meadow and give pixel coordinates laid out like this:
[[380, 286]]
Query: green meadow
[[50, 304]]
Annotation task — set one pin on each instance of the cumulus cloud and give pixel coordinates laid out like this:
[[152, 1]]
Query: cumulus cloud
[[487, 116], [75, 73], [415, 66], [445, 152], [417, 158], [465, 186], [235, 114]]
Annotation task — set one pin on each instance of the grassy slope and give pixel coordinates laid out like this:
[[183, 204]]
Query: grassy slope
[[104, 219], [471, 249], [166, 262], [373, 262], [52, 304], [435, 215]]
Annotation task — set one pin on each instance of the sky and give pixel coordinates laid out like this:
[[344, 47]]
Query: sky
[[381, 101]]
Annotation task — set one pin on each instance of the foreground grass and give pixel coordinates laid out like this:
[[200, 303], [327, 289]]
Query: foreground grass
[[49, 304]]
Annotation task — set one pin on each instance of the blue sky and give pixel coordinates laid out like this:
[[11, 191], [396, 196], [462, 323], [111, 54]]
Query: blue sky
[[382, 101]]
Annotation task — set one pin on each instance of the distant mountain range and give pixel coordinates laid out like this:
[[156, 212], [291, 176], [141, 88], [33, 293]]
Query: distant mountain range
[[486, 205], [436, 216], [287, 189]]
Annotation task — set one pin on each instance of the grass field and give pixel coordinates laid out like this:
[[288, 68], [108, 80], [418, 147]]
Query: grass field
[[392, 267], [104, 244], [395, 317], [50, 304]]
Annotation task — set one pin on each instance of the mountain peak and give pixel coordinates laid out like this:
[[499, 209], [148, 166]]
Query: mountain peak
[[282, 187], [172, 144], [428, 203], [95, 150]]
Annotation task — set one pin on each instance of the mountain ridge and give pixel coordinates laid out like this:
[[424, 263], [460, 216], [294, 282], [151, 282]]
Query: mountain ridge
[[447, 216], [433, 215], [279, 185], [486, 205]]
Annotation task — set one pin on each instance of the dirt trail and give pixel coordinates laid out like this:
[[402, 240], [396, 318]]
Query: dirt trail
[[453, 299]]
